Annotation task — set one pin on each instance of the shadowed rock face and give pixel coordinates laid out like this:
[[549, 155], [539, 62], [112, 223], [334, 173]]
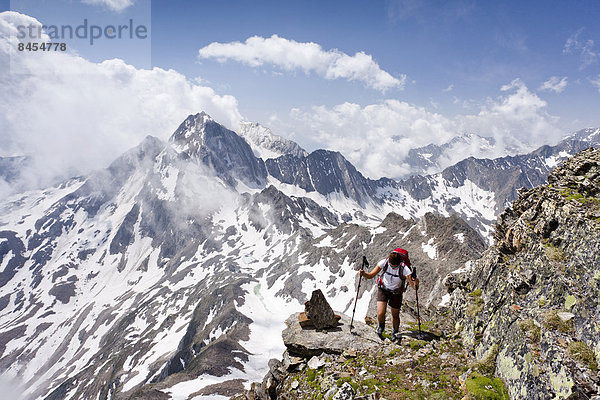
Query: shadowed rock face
[[200, 137], [530, 304], [325, 172], [319, 311]]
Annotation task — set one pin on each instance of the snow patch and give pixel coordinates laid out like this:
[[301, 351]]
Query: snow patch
[[430, 249]]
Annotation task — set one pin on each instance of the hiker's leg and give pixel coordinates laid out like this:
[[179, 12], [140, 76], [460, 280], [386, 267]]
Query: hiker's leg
[[396, 318], [381, 306]]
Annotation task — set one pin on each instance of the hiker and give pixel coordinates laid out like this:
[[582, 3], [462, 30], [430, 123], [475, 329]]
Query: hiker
[[391, 285]]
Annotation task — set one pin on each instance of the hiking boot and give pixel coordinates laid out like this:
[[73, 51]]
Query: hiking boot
[[379, 331], [396, 336]]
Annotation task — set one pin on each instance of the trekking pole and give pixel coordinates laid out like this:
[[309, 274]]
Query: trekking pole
[[365, 263], [418, 314], [414, 274]]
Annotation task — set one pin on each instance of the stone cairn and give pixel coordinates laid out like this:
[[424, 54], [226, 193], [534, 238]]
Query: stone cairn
[[318, 313]]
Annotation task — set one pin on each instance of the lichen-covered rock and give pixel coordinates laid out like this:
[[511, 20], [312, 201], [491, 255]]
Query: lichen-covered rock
[[535, 294], [346, 392]]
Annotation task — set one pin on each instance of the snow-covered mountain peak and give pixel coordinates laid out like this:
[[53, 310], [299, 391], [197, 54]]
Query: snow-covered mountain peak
[[192, 129], [266, 144], [587, 135], [202, 139]]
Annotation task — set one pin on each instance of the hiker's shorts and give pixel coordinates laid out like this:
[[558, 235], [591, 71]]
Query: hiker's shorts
[[391, 298]]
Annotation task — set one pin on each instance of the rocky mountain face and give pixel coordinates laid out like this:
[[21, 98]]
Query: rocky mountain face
[[170, 274], [266, 144], [477, 190], [529, 308], [325, 172], [199, 137]]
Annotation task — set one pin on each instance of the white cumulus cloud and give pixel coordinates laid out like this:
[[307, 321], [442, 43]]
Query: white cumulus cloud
[[377, 137], [114, 5], [309, 57], [72, 115], [555, 84]]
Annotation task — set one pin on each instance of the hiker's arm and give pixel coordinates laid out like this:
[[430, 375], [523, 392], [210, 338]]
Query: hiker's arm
[[371, 274], [413, 282]]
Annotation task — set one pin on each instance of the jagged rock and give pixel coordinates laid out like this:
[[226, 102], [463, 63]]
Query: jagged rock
[[310, 342], [292, 363], [346, 392], [319, 311], [270, 387], [528, 309]]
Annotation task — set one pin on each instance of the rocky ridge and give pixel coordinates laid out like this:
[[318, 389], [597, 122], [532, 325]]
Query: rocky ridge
[[522, 323], [531, 305], [355, 364]]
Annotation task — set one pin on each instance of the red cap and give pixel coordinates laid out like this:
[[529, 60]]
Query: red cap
[[404, 255], [401, 251]]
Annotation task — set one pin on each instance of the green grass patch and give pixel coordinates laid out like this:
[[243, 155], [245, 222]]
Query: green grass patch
[[583, 353], [475, 306], [372, 385], [395, 352], [425, 325], [417, 344], [553, 322], [571, 195], [531, 330], [475, 303], [481, 387], [348, 379]]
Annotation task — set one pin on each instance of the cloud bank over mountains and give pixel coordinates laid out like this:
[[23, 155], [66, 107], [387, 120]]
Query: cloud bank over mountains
[[72, 115], [377, 137]]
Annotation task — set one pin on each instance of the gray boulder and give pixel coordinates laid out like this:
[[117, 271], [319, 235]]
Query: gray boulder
[[309, 342]]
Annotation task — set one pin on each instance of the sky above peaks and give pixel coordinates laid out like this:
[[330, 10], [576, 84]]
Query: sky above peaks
[[369, 79]]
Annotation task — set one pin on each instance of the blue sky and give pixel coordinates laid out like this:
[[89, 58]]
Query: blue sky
[[475, 46], [352, 76]]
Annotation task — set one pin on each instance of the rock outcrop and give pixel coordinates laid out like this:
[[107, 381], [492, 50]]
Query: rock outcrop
[[529, 309], [308, 342]]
